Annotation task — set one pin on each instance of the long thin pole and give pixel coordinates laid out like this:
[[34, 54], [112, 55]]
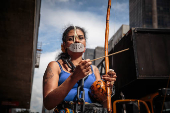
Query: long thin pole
[[109, 104], [110, 54]]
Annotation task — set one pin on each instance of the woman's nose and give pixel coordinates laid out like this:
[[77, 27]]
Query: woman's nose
[[77, 40]]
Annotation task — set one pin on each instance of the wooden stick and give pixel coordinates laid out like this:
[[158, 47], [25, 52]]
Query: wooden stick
[[110, 54], [109, 104]]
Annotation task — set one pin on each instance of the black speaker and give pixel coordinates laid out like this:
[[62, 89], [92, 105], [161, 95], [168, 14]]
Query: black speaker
[[145, 67]]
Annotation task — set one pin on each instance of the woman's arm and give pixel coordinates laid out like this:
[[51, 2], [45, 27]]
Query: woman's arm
[[54, 94]]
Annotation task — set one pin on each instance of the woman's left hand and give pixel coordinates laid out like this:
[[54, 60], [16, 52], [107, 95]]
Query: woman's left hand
[[110, 76]]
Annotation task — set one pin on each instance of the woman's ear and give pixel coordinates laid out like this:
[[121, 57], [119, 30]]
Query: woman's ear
[[63, 47], [64, 44], [84, 49]]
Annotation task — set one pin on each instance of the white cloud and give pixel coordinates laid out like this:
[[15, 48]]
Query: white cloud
[[37, 99], [93, 23]]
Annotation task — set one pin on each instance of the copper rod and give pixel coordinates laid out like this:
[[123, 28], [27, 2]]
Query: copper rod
[[110, 54]]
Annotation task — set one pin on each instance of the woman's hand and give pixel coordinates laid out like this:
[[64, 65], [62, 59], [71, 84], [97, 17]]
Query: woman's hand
[[110, 76], [82, 69]]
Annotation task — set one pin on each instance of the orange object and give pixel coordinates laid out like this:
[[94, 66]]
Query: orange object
[[149, 98], [109, 105], [130, 100], [98, 91]]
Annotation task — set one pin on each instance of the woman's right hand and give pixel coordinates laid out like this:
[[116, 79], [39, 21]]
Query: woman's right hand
[[82, 69]]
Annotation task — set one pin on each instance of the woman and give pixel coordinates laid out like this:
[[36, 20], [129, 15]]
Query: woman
[[61, 79]]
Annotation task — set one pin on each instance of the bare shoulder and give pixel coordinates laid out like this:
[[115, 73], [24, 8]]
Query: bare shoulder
[[52, 69], [95, 69], [54, 65], [96, 72]]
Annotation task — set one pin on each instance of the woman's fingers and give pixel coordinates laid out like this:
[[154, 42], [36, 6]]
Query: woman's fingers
[[108, 78], [85, 63], [84, 68], [111, 72]]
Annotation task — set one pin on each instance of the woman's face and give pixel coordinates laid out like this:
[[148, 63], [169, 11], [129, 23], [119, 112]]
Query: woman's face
[[79, 39]]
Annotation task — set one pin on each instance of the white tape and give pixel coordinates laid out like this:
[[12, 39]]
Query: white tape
[[76, 47]]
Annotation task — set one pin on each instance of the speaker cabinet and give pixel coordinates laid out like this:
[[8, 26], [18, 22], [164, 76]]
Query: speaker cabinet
[[145, 67]]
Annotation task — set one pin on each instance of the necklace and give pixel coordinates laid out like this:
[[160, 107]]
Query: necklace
[[69, 64]]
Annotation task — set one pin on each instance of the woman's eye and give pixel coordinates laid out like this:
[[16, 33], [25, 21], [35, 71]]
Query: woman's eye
[[81, 37], [70, 39]]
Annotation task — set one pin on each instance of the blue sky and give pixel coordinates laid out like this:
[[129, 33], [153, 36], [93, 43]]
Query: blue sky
[[56, 15]]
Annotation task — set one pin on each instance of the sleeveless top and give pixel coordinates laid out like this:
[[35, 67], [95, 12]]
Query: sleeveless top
[[72, 95]]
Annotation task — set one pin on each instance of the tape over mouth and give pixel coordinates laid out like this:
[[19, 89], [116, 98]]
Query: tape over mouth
[[76, 47]]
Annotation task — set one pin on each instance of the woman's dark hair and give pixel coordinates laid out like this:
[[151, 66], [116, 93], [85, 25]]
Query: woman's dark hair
[[66, 55]]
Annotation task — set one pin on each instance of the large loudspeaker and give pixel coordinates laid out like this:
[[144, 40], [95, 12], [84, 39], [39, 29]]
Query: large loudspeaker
[[146, 66]]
